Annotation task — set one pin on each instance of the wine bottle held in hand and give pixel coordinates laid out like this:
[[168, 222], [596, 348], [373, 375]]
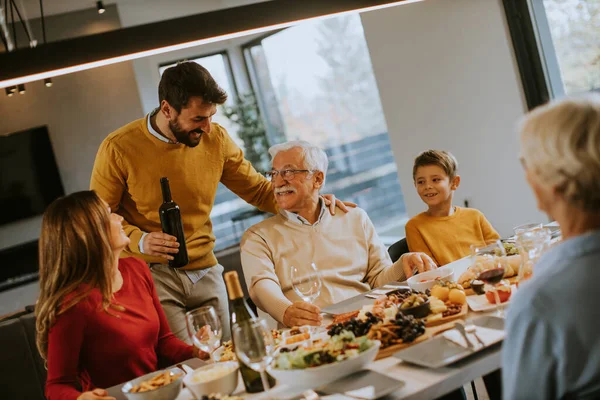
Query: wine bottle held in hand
[[170, 220], [242, 313]]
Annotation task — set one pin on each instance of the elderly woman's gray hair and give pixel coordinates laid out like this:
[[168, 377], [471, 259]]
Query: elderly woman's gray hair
[[561, 143], [314, 157]]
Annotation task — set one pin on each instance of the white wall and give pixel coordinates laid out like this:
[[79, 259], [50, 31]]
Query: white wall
[[80, 110], [448, 80]]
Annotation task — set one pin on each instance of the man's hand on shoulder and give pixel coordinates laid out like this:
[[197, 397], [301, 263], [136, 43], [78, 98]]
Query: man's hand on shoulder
[[160, 244], [332, 203], [416, 262], [302, 313]]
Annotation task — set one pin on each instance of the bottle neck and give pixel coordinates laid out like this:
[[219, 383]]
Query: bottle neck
[[166, 190]]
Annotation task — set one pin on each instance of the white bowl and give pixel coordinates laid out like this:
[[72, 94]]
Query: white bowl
[[167, 392], [425, 280], [317, 376], [225, 384]]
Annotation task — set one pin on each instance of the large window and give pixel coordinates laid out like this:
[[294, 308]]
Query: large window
[[315, 82], [574, 27]]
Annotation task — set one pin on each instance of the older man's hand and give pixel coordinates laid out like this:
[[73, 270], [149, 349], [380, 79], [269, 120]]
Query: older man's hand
[[302, 313], [416, 262]]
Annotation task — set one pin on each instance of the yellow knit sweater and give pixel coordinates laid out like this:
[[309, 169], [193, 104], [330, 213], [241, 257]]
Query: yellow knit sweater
[[127, 172], [447, 239]]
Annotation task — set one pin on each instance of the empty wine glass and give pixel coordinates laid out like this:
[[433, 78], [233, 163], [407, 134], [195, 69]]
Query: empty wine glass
[[531, 245], [490, 263], [204, 328], [306, 281], [254, 346], [527, 227]]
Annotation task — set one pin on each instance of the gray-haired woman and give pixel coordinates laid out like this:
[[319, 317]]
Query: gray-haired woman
[[552, 349]]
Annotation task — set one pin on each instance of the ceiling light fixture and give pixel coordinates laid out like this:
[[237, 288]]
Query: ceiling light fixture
[[48, 82], [21, 89], [9, 92], [83, 53], [100, 7]]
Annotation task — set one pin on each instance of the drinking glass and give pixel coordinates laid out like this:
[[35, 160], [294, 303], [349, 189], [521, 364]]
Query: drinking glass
[[306, 281], [531, 245], [527, 227], [490, 263], [254, 345], [204, 328]]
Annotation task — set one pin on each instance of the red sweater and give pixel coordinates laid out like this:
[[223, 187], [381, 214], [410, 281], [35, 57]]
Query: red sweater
[[88, 348]]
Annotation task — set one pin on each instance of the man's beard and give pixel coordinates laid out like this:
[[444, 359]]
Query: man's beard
[[184, 137]]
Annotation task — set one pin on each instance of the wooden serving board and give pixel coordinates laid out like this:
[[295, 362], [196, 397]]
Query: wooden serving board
[[463, 313], [511, 280], [429, 333], [388, 351]]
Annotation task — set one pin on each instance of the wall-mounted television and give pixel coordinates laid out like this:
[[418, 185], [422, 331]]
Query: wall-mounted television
[[29, 177]]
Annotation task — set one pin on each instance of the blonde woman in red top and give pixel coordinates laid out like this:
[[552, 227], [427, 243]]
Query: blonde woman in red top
[[99, 320]]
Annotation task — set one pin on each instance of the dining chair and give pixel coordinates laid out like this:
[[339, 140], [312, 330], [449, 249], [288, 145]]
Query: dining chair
[[397, 249]]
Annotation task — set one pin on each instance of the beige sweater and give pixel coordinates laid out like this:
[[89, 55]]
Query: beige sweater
[[344, 247]]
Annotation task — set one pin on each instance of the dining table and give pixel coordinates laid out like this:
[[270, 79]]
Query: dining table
[[416, 382]]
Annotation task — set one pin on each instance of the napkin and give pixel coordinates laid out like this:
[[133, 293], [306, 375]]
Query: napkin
[[487, 336], [367, 392]]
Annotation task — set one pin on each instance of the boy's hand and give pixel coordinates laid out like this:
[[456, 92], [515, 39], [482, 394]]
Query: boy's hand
[[416, 263]]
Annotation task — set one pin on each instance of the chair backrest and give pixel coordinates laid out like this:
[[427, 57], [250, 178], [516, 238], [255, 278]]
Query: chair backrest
[[19, 369], [397, 249]]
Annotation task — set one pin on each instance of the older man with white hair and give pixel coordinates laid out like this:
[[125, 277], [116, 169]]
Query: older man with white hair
[[344, 247]]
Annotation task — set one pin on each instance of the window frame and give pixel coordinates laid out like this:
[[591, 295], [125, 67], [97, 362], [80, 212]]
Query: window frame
[[534, 51], [228, 68]]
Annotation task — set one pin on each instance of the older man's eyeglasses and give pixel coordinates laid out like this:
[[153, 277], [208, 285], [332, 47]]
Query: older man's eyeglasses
[[287, 174]]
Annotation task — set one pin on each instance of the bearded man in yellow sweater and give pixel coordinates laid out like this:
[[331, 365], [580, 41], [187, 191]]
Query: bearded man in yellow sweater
[[345, 248], [178, 140]]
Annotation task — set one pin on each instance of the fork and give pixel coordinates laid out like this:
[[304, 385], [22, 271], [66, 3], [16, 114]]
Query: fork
[[473, 329], [461, 328]]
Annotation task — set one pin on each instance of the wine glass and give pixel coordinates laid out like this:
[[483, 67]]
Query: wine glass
[[531, 245], [254, 346], [490, 263], [306, 282], [204, 328], [527, 227]]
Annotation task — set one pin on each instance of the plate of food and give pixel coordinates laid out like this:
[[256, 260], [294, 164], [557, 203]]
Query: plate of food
[[425, 280], [165, 384], [334, 358], [384, 322], [487, 301]]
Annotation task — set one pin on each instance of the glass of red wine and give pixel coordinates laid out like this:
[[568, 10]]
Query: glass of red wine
[[490, 263]]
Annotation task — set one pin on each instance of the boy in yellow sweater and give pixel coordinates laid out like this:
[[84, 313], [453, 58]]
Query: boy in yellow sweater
[[444, 232]]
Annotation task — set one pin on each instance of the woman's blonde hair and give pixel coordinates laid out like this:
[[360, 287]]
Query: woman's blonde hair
[[74, 249], [561, 144]]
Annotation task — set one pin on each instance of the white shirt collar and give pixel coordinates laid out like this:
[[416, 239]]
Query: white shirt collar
[[297, 219], [153, 131]]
